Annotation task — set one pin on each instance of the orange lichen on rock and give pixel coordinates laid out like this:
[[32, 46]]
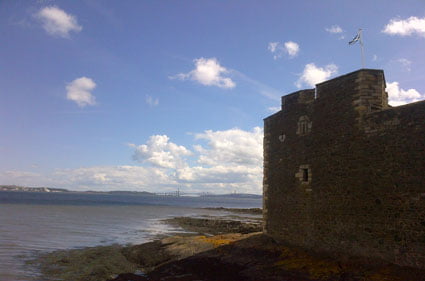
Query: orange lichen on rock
[[220, 240]]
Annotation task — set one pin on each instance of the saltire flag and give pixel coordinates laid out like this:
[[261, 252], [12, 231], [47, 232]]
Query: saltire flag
[[356, 38]]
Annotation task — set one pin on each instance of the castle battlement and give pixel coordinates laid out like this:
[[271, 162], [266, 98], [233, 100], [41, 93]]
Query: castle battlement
[[303, 96], [365, 87], [343, 171]]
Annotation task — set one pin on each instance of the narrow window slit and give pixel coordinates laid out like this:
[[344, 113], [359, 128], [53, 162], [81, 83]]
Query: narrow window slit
[[305, 175]]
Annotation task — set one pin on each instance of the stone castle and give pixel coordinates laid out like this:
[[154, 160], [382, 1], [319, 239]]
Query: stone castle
[[344, 172]]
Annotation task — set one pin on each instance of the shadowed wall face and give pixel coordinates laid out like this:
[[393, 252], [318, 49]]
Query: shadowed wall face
[[345, 173]]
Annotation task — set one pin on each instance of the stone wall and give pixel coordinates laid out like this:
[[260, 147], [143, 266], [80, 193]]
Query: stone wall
[[355, 182]]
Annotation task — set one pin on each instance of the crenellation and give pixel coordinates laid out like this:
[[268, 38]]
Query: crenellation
[[299, 97], [367, 197]]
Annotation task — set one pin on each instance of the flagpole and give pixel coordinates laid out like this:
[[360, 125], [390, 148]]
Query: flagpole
[[361, 45], [359, 38]]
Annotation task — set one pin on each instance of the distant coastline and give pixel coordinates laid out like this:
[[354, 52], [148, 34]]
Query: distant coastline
[[30, 189], [63, 190], [18, 188]]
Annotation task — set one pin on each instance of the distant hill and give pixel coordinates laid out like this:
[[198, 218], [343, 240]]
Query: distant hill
[[117, 192], [50, 189], [30, 189], [130, 192], [234, 195]]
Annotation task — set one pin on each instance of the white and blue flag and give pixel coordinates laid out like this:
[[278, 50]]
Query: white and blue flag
[[356, 38]]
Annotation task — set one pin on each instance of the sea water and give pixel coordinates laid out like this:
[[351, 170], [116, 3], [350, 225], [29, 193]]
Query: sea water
[[35, 223]]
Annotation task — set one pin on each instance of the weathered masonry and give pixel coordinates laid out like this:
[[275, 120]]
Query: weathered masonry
[[344, 172]]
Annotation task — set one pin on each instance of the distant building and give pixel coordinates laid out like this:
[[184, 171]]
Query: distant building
[[344, 172]]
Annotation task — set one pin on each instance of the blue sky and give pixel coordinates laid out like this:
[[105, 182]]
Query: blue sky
[[160, 95]]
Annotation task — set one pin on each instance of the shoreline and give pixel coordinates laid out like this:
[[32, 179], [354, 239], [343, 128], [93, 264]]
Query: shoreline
[[213, 248], [106, 262]]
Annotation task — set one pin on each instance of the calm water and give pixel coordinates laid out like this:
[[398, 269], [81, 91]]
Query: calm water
[[32, 223]]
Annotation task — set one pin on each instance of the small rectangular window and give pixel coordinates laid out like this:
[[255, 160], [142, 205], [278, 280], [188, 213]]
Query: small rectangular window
[[305, 175]]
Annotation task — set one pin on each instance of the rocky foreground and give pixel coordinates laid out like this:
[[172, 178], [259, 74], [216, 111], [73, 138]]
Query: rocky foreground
[[218, 254]]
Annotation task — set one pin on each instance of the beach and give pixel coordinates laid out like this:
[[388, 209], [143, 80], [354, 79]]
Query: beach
[[107, 262], [122, 238], [215, 248], [37, 223]]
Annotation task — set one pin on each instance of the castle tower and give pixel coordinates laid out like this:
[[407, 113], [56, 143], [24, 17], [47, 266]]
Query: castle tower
[[335, 157]]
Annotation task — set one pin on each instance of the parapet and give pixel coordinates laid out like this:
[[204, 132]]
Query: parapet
[[363, 89], [299, 97]]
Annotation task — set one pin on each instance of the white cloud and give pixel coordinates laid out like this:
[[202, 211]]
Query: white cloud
[[79, 91], [375, 58], [334, 29], [231, 147], [100, 178], [273, 46], [208, 72], [220, 175], [405, 63], [410, 26], [278, 50], [221, 162], [23, 178], [273, 109], [398, 96], [313, 75], [151, 101], [160, 152], [292, 48], [57, 22], [113, 178], [231, 159]]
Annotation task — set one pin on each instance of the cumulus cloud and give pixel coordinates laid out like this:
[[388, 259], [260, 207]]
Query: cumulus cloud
[[231, 147], [407, 27], [235, 175], [313, 75], [151, 101], [57, 22], [208, 72], [398, 96], [334, 29], [279, 50], [220, 162], [291, 48], [230, 159], [224, 160], [160, 152], [79, 91]]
